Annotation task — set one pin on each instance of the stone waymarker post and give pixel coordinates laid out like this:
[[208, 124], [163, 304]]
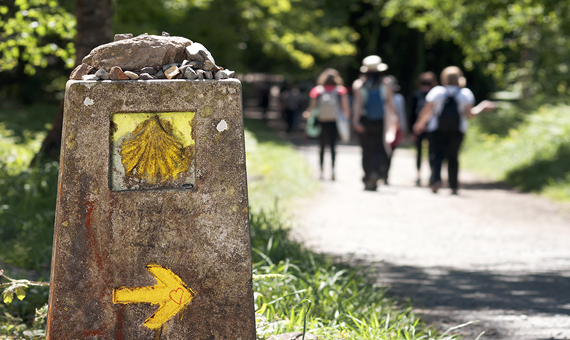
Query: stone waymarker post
[[152, 231]]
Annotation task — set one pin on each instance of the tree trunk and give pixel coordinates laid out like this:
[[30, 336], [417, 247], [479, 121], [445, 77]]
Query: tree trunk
[[94, 28]]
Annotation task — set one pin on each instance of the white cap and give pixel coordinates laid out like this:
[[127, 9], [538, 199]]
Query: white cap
[[373, 63]]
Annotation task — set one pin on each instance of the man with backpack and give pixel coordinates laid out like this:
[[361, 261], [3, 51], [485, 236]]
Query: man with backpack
[[444, 117], [374, 119]]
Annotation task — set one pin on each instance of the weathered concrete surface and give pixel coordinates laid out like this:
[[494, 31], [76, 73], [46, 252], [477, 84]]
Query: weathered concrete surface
[[104, 239]]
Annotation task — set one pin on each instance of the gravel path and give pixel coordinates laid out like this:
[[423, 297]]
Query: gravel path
[[489, 254]]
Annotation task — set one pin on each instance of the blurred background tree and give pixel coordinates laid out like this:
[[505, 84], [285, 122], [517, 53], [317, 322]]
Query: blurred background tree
[[523, 44], [519, 45]]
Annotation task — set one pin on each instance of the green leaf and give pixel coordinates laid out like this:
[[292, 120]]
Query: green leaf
[[8, 296], [20, 293]]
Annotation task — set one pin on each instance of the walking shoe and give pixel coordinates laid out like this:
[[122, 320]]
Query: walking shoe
[[454, 192], [370, 187], [371, 183], [435, 187], [418, 183]]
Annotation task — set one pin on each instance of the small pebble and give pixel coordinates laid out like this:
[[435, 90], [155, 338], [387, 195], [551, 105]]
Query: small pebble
[[80, 71], [101, 73], [171, 72], [117, 74], [209, 66], [197, 65], [149, 70], [160, 75], [221, 75], [189, 73], [131, 75], [208, 75], [178, 76], [165, 34], [145, 76], [166, 67], [90, 77], [201, 74]]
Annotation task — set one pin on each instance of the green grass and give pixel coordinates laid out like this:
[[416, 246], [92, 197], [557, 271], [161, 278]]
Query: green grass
[[27, 205], [27, 195], [528, 151], [294, 289], [275, 171]]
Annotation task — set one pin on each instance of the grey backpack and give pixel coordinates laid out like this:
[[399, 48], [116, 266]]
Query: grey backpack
[[329, 106]]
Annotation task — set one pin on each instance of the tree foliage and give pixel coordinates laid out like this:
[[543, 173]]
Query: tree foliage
[[34, 30], [523, 44], [251, 35]]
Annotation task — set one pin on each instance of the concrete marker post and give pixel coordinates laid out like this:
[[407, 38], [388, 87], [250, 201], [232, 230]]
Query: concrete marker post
[[152, 226]]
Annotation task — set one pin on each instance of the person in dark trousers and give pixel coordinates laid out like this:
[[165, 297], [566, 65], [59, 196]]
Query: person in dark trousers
[[264, 94], [291, 102], [329, 99], [426, 81], [374, 119], [444, 117]]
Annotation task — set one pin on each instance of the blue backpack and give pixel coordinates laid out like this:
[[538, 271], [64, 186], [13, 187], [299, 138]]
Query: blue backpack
[[375, 104]]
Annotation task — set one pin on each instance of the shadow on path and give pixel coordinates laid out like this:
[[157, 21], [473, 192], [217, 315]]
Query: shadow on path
[[487, 186], [448, 297], [447, 287]]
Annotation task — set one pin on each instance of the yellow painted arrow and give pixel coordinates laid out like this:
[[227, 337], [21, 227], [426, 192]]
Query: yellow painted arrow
[[170, 292]]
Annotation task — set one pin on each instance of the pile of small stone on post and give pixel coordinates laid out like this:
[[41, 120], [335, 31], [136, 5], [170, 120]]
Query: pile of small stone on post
[[148, 57]]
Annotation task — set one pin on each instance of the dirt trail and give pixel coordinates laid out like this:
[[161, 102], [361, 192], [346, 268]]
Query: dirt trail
[[489, 254]]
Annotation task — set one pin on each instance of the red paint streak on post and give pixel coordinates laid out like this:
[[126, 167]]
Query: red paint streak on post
[[93, 244], [92, 240]]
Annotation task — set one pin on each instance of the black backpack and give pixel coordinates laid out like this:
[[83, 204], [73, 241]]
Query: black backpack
[[449, 119]]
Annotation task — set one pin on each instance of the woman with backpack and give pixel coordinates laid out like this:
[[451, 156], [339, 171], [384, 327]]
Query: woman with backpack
[[374, 119], [329, 99], [444, 117]]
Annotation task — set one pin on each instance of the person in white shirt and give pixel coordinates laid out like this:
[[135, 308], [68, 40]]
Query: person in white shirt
[[444, 117]]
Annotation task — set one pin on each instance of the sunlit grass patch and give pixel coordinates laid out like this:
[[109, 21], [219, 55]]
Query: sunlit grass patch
[[533, 155], [275, 171]]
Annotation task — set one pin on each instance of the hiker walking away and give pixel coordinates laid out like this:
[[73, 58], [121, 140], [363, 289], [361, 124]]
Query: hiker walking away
[[329, 99], [400, 105], [291, 101], [444, 117], [374, 119], [426, 81]]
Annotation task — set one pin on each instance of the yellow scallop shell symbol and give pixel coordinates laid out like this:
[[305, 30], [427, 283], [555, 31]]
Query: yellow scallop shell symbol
[[153, 153]]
